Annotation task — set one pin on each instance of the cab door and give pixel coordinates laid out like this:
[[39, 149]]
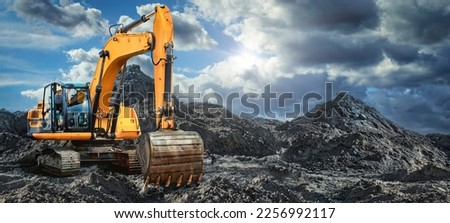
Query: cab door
[[52, 108]]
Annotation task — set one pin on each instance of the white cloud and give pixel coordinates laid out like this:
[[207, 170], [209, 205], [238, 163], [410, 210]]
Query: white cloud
[[146, 9], [80, 55], [265, 45], [261, 28], [33, 94], [247, 22], [85, 67], [242, 72], [226, 12], [386, 73], [72, 18]]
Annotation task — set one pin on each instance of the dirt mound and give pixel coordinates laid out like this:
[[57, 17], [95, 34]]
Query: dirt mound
[[427, 173], [377, 191], [13, 122], [441, 141], [225, 134], [91, 185], [14, 149], [345, 134]]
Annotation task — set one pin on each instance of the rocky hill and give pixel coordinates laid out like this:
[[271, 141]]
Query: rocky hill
[[225, 134], [13, 122], [341, 151], [345, 134]]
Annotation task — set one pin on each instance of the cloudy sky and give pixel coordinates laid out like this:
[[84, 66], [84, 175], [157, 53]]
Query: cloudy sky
[[394, 55]]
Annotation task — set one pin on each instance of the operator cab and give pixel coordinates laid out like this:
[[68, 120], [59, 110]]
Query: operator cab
[[78, 107], [65, 107]]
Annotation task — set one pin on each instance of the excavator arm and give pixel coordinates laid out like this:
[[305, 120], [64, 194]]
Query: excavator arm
[[163, 56], [122, 46]]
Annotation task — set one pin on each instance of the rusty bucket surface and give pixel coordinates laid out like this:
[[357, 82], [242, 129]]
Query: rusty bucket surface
[[171, 157]]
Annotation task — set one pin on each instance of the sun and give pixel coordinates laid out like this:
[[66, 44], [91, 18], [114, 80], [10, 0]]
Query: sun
[[247, 58]]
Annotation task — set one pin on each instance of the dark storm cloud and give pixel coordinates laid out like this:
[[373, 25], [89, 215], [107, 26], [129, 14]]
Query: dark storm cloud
[[322, 48], [190, 34], [74, 18], [422, 22], [425, 109], [46, 11], [363, 54], [402, 54], [351, 34], [439, 63], [431, 68], [343, 15]]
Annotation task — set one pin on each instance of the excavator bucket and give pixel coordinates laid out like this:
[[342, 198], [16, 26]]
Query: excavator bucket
[[171, 157]]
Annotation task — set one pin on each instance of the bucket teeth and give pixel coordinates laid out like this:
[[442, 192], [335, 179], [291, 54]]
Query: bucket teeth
[[189, 181], [147, 181], [158, 180], [168, 181], [179, 180]]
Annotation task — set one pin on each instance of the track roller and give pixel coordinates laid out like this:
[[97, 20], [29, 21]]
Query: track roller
[[59, 161]]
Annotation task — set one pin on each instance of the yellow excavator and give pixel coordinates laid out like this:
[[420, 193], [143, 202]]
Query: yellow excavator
[[96, 126]]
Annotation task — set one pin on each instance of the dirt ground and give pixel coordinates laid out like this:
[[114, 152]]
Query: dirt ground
[[226, 179]]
